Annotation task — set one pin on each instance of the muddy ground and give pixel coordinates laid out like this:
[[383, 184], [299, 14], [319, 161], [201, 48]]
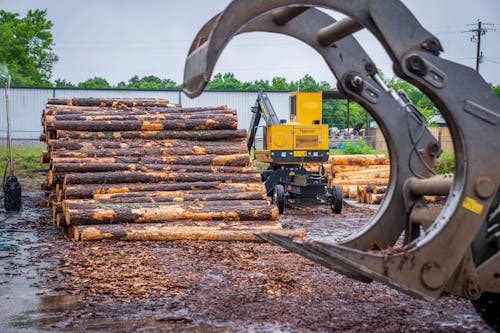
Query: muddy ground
[[48, 283]]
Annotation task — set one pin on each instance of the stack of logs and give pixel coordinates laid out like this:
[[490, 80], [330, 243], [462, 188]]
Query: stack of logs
[[145, 169], [363, 177]]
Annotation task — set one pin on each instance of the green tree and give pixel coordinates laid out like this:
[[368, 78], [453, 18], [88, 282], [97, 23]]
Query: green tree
[[26, 47], [496, 90], [95, 83], [222, 82], [279, 83], [62, 83]]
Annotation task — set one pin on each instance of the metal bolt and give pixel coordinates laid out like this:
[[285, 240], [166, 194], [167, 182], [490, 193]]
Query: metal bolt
[[472, 290], [485, 187], [416, 65], [356, 81], [370, 68], [433, 275], [433, 45]]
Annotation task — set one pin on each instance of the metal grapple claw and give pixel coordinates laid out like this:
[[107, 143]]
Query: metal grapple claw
[[458, 251]]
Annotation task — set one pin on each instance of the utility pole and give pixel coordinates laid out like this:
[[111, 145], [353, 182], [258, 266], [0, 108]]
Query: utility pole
[[479, 31]]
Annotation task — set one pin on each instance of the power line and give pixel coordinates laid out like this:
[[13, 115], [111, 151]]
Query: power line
[[479, 31]]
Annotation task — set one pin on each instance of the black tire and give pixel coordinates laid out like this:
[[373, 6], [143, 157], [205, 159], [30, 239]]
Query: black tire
[[336, 199], [279, 198], [488, 307]]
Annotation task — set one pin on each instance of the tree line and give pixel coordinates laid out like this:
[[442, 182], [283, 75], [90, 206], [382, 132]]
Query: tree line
[[26, 50]]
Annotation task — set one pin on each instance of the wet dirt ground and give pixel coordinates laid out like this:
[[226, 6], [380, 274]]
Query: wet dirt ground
[[49, 283]]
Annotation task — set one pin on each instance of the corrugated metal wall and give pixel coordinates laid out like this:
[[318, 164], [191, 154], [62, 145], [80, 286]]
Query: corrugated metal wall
[[26, 104]]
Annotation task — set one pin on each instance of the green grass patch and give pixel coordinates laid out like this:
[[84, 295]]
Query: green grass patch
[[445, 163], [26, 160]]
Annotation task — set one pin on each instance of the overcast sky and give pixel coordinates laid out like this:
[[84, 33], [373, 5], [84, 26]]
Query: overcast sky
[[118, 39]]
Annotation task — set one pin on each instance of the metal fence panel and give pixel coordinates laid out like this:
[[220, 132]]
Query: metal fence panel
[[26, 104]]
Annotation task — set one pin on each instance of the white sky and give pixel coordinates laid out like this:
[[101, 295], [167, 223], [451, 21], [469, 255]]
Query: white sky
[[118, 39]]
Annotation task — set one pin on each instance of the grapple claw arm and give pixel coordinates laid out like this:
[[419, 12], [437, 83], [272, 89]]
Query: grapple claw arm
[[428, 265]]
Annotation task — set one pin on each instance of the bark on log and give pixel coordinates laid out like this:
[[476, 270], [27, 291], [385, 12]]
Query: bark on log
[[244, 232], [358, 160], [376, 189], [222, 160], [166, 213], [364, 174], [200, 149], [89, 190], [361, 194], [351, 168], [45, 158], [374, 199], [116, 177], [83, 204], [203, 135], [61, 169], [375, 181], [179, 196], [133, 144], [139, 117], [110, 102], [215, 123], [72, 110], [60, 222], [350, 191]]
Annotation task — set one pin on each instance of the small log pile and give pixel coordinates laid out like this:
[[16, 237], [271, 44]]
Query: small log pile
[[146, 169], [363, 177]]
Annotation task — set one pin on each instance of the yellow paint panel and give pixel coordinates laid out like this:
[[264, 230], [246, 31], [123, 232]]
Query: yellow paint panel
[[309, 107], [280, 137], [473, 205], [300, 153]]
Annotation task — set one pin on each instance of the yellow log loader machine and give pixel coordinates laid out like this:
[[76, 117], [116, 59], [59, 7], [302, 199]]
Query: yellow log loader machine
[[420, 250], [289, 147]]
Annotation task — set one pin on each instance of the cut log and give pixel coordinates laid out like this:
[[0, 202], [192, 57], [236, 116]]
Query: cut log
[[89, 190], [110, 102], [139, 115], [60, 222], [82, 204], [351, 168], [361, 194], [201, 149], [180, 196], [57, 110], [45, 158], [375, 181], [379, 172], [117, 177], [215, 123], [166, 213], [63, 168], [376, 189], [132, 144], [350, 191], [358, 160], [203, 135], [179, 117], [374, 199], [222, 160], [244, 231]]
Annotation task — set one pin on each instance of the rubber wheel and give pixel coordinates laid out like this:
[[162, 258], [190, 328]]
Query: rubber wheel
[[279, 198], [488, 307], [336, 199]]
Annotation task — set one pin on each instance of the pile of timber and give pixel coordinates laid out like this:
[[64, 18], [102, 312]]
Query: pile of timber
[[146, 169], [362, 177]]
